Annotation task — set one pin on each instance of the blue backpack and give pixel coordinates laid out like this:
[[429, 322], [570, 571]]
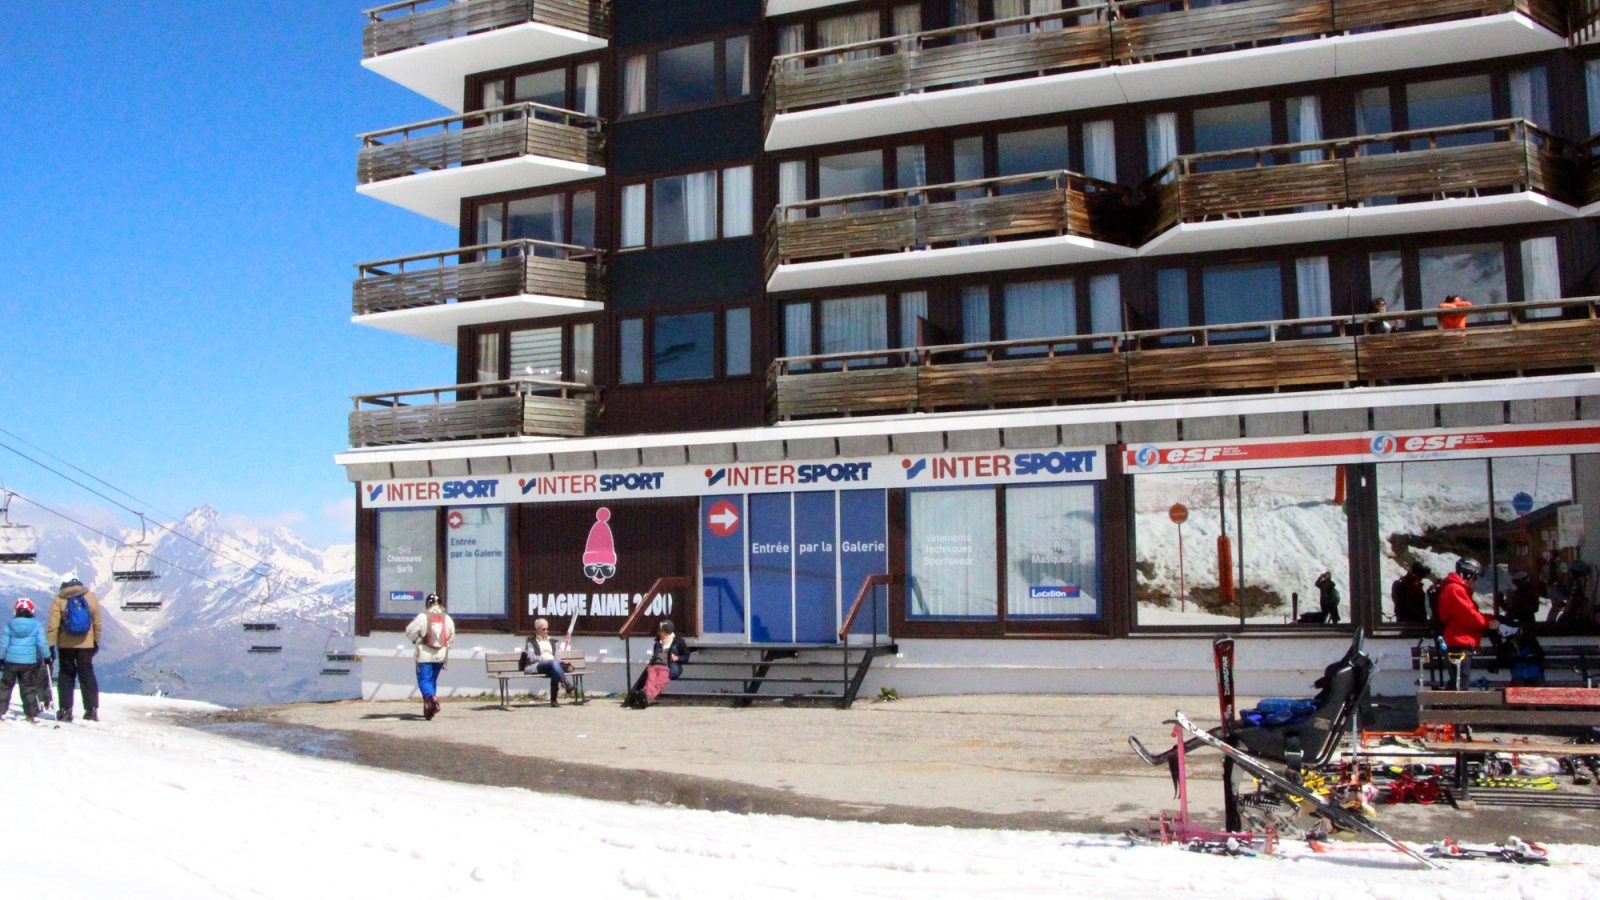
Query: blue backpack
[[77, 620]]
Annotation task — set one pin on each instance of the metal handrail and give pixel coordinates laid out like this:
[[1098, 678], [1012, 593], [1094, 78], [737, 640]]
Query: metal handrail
[[571, 251], [667, 583], [508, 112], [867, 584], [1356, 324], [519, 387], [1063, 175]]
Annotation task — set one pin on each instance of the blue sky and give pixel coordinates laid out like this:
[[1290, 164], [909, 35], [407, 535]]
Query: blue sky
[[176, 254]]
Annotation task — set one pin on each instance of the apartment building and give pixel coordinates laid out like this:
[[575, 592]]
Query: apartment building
[[1031, 343]]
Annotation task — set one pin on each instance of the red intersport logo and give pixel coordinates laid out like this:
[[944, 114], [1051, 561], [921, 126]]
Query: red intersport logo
[[722, 519], [455, 520]]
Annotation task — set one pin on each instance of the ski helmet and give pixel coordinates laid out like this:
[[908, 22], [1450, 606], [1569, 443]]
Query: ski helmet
[[1468, 569], [23, 606], [433, 599]]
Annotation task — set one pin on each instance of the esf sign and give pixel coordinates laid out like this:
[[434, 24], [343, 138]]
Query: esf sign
[[931, 470]]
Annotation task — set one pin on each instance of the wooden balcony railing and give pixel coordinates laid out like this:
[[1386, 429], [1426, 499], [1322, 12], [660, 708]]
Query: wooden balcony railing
[[1589, 173], [505, 132], [505, 269], [915, 218], [398, 26], [1427, 164], [1584, 18], [488, 409], [1502, 339], [1091, 35]]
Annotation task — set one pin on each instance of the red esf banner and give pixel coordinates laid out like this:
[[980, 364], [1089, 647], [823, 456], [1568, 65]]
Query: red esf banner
[[1367, 447]]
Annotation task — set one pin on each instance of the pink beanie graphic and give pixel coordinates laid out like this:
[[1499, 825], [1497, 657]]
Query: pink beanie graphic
[[600, 553]]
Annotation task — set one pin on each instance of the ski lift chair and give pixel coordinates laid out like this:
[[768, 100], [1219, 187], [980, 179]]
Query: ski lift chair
[[260, 623], [339, 649], [19, 544], [141, 605], [134, 562]]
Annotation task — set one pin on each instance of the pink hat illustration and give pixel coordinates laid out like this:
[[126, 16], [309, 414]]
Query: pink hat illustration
[[600, 553]]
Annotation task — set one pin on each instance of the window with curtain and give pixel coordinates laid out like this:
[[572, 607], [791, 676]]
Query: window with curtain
[[736, 329], [1040, 309], [573, 86], [1315, 289], [688, 76], [536, 353], [913, 306], [1052, 552], [1374, 115], [583, 203], [906, 18], [736, 66], [548, 88], [488, 357], [1172, 298], [1242, 292], [587, 89], [1160, 140], [836, 31], [685, 346], [855, 323], [1541, 274], [792, 186], [1100, 150], [635, 84], [1386, 270], [1305, 125], [1105, 303], [562, 217], [1475, 271], [850, 173], [910, 167], [633, 215], [797, 331], [583, 353], [1530, 95], [951, 550], [974, 315], [1236, 127], [684, 209], [630, 346], [738, 203], [791, 39], [537, 218], [491, 223]]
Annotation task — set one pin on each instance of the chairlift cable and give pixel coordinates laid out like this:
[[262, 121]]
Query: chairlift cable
[[209, 549], [87, 527]]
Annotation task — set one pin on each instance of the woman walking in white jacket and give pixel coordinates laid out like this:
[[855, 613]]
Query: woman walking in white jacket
[[432, 631]]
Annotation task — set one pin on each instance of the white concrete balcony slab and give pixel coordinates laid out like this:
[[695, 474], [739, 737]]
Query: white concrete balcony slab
[[430, 167], [439, 323], [431, 46], [784, 7]]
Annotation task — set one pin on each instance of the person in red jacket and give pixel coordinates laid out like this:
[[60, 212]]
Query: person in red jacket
[[1463, 624]]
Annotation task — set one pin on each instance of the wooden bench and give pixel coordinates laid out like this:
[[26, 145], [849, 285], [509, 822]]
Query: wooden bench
[[506, 666], [1581, 660], [1508, 709]]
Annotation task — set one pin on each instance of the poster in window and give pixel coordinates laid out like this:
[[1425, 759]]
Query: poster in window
[[408, 560], [475, 560], [1052, 552], [951, 570]]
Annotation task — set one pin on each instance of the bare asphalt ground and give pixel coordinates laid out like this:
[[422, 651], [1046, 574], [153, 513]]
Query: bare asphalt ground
[[1022, 761]]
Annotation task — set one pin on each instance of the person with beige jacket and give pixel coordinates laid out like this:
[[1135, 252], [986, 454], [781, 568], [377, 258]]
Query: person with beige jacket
[[74, 633]]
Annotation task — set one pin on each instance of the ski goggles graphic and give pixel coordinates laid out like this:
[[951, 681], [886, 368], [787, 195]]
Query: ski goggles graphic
[[599, 570]]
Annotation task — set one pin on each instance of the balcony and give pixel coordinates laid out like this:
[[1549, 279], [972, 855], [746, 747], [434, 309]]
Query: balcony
[[1493, 173], [1019, 221], [1506, 340], [431, 46], [491, 409], [1589, 160], [431, 166], [1133, 51], [426, 296]]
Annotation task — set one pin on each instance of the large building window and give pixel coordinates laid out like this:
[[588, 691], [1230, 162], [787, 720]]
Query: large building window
[[687, 76], [408, 559], [475, 560], [1052, 552], [951, 548], [685, 346], [557, 352], [562, 217], [573, 86], [687, 208]]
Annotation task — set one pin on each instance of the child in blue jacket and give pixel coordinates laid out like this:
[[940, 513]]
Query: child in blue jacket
[[26, 656]]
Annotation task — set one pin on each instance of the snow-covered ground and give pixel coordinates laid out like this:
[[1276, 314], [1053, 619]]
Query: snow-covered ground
[[138, 808]]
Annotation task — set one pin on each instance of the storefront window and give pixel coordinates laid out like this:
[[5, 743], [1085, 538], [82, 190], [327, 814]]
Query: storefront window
[[1432, 513], [1285, 528], [475, 560], [951, 545], [408, 559], [1052, 552]]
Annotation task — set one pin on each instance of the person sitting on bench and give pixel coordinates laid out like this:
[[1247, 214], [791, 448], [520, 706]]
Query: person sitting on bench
[[667, 657], [539, 658], [1462, 623]]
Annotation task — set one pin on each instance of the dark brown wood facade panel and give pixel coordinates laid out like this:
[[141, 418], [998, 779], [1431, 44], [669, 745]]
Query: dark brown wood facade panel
[[1268, 365], [699, 406], [399, 26]]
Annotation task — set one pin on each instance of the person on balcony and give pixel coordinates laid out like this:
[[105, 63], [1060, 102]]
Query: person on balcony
[[1458, 320], [539, 658], [1380, 305]]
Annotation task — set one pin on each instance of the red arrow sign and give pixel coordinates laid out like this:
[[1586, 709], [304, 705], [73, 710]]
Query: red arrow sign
[[723, 518], [456, 519]]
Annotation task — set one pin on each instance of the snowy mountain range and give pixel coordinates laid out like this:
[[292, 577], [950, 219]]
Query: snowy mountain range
[[195, 645]]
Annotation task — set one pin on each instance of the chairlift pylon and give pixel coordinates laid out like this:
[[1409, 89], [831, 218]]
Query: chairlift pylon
[[134, 562], [19, 544]]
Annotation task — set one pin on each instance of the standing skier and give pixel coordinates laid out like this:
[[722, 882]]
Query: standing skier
[[27, 656], [432, 631], [75, 633]]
